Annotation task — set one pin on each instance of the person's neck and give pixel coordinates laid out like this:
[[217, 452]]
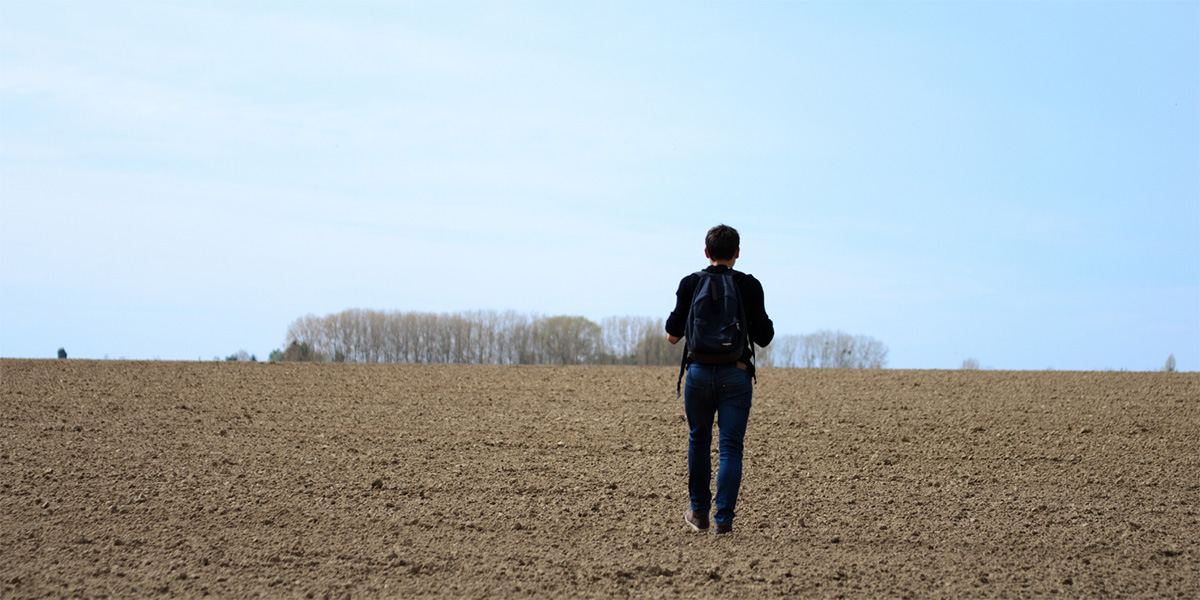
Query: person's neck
[[723, 263]]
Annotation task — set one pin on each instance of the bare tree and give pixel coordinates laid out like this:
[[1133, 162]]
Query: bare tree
[[620, 337], [826, 349], [569, 340], [653, 348], [300, 352], [764, 357], [784, 351]]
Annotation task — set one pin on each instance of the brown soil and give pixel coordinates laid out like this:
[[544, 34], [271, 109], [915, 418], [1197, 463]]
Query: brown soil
[[134, 479]]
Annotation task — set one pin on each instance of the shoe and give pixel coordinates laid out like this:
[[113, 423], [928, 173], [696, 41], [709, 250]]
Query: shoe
[[719, 529], [696, 521]]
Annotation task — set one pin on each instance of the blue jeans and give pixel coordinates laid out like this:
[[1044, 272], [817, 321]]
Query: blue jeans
[[723, 392]]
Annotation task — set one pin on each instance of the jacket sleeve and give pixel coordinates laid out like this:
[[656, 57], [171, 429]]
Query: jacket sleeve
[[762, 330], [677, 320]]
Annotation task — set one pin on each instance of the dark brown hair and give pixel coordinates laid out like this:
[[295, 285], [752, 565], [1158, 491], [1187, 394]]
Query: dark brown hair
[[722, 242]]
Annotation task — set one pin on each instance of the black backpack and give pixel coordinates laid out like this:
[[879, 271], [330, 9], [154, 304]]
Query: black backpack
[[716, 329]]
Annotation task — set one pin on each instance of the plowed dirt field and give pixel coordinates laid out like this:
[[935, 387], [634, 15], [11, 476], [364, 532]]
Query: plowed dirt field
[[236, 480]]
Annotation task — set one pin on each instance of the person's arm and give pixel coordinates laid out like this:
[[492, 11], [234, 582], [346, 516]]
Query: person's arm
[[762, 330], [677, 320]]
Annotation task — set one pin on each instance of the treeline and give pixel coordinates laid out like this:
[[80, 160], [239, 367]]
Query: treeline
[[512, 338], [828, 349], [479, 337]]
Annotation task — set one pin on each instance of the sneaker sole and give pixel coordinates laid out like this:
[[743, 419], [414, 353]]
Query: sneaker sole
[[694, 527]]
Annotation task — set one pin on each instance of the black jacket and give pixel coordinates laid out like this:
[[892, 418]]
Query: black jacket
[[761, 329]]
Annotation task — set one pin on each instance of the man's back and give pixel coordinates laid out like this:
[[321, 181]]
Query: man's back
[[718, 391], [759, 327]]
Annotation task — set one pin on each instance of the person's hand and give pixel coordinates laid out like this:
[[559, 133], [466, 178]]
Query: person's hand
[[674, 339]]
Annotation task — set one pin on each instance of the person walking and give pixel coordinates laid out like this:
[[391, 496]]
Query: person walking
[[720, 372]]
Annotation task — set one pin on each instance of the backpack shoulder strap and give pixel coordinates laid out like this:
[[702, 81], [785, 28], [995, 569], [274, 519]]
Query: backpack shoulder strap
[[683, 361], [682, 371]]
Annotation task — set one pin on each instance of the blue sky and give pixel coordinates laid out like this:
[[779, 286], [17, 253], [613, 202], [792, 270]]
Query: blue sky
[[1016, 182]]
